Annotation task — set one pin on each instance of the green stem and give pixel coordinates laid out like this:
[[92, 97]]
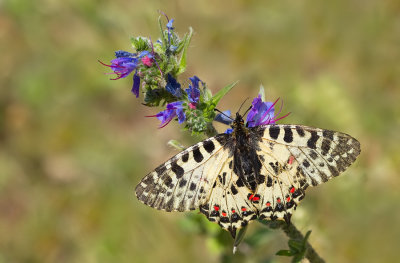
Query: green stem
[[293, 233]]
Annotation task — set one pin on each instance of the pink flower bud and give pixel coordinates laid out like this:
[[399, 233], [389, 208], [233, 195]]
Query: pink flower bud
[[147, 61]]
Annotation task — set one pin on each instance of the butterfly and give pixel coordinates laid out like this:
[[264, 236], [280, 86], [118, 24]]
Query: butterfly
[[259, 172]]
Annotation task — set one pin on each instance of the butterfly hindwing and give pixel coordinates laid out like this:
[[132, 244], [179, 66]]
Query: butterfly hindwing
[[227, 203], [284, 184]]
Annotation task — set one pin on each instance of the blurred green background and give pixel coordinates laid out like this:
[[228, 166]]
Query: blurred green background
[[74, 144]]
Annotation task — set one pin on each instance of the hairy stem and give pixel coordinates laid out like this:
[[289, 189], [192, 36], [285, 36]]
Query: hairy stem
[[293, 233]]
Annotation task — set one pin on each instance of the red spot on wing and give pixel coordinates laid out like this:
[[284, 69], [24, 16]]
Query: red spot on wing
[[288, 198], [216, 208], [268, 204], [291, 159], [233, 211], [251, 196], [244, 209], [278, 200], [292, 190], [256, 198], [223, 214]]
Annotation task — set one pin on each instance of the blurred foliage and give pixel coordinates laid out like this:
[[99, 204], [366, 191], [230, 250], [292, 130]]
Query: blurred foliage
[[73, 144]]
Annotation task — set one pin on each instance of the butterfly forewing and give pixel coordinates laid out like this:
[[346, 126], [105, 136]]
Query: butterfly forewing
[[321, 154], [185, 180]]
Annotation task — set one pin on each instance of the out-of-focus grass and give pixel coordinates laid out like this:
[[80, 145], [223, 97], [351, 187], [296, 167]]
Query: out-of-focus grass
[[73, 144]]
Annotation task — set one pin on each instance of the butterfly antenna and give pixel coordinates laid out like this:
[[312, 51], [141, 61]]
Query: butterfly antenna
[[224, 114], [242, 104], [248, 110]]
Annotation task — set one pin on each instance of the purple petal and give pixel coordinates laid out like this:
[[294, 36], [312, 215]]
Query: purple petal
[[175, 105], [195, 81], [136, 84], [261, 113], [166, 116], [169, 24], [228, 131], [173, 86], [181, 115], [123, 66], [224, 118], [193, 91], [122, 53], [145, 53]]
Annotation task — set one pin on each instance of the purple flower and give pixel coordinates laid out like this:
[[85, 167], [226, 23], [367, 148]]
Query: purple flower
[[229, 131], [122, 66], [146, 53], [170, 29], [173, 48], [122, 53], [136, 84], [169, 24], [263, 113], [174, 109], [173, 86], [193, 91], [224, 117]]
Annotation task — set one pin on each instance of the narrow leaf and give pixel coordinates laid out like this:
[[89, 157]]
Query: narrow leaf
[[306, 237], [295, 245], [286, 253], [218, 96], [175, 144], [182, 60], [163, 39]]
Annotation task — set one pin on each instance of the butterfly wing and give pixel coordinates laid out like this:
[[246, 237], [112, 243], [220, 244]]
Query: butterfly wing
[[227, 203], [201, 177], [288, 159], [182, 183], [296, 157]]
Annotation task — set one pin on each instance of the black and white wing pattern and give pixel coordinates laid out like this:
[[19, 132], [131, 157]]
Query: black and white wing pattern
[[259, 172], [186, 180], [296, 157]]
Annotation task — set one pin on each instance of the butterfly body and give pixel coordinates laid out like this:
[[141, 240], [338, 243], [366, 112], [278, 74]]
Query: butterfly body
[[259, 172]]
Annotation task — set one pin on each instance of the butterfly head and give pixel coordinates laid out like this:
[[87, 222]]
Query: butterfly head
[[238, 123]]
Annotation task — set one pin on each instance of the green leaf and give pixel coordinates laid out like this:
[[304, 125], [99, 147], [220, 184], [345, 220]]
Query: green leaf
[[295, 246], [177, 145], [286, 253], [163, 39], [207, 94], [140, 43], [182, 60], [306, 237], [181, 44], [222, 92]]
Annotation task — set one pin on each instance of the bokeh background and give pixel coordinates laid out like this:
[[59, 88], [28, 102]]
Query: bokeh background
[[74, 144]]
